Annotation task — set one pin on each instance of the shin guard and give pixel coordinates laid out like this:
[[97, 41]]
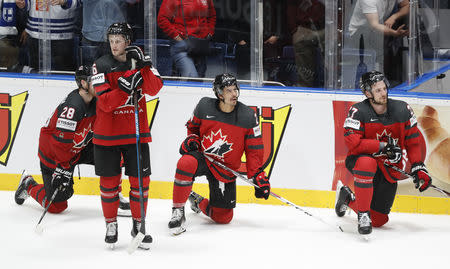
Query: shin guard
[[364, 171], [184, 178], [109, 191], [134, 196]]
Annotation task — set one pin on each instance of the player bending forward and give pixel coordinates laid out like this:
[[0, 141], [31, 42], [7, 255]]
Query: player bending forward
[[379, 130], [117, 77], [223, 129], [64, 142]]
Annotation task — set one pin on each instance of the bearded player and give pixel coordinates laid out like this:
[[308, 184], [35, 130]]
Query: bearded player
[[379, 131]]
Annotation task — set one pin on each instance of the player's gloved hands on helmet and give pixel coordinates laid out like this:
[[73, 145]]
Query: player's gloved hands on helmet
[[392, 151], [61, 179], [130, 82], [422, 179], [263, 189], [135, 52], [191, 143]]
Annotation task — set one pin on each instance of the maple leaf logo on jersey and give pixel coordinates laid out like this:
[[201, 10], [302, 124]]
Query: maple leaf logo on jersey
[[130, 100], [384, 137], [216, 144], [82, 138]]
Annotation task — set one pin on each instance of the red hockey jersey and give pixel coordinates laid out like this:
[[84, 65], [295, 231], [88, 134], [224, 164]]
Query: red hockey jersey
[[226, 136], [67, 132], [115, 109], [364, 130]]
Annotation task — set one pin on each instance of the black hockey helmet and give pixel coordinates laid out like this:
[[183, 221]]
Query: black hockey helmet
[[368, 79], [222, 81], [120, 28], [83, 72]]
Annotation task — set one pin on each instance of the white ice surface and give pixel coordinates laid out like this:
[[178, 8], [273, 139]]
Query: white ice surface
[[260, 236]]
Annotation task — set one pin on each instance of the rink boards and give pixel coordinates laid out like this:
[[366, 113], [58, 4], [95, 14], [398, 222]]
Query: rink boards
[[301, 131]]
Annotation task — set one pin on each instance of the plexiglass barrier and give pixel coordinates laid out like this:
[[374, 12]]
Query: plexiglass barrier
[[298, 43]]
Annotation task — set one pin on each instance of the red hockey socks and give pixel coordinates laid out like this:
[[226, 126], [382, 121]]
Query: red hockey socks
[[363, 172], [204, 206], [38, 194], [184, 178], [109, 192], [134, 196]]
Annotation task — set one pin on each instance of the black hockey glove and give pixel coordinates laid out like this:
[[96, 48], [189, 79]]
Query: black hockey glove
[[263, 189], [422, 179], [61, 179], [131, 82], [135, 52], [191, 143], [392, 151]]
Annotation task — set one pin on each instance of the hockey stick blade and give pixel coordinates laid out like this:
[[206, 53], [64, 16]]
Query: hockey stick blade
[[38, 229], [444, 192], [272, 193], [137, 240], [366, 237], [177, 231]]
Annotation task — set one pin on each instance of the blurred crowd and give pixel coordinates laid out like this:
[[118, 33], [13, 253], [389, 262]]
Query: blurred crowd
[[200, 38]]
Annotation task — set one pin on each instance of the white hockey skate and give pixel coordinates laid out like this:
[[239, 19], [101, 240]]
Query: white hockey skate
[[111, 234], [21, 193], [364, 225], [176, 223], [343, 197]]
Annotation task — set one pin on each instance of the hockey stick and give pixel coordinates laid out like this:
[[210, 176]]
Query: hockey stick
[[444, 192], [38, 229], [271, 193], [137, 240]]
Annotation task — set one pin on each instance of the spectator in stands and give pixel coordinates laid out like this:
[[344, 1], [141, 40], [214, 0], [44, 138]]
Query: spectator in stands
[[9, 50], [98, 15], [62, 17], [306, 24], [182, 18], [274, 38], [13, 54], [372, 20]]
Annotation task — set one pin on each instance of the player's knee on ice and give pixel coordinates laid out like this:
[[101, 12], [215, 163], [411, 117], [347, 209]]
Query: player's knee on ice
[[221, 215]]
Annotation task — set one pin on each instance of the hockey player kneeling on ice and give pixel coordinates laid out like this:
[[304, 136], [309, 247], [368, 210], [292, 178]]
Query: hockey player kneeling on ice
[[64, 142], [223, 129], [117, 78], [379, 131]]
